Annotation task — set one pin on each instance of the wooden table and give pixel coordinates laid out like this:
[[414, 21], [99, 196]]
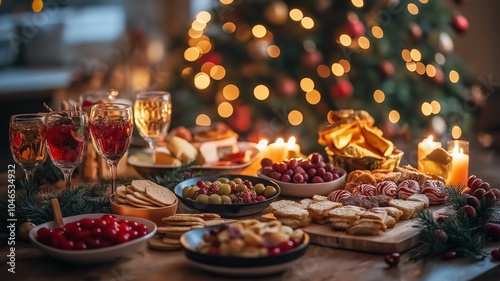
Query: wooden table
[[319, 263]]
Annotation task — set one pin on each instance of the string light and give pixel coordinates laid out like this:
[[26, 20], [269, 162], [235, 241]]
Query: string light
[[295, 117], [203, 120], [201, 80], [436, 107], [198, 25], [358, 3], [230, 92], [273, 51], [346, 65], [323, 71], [225, 109], [261, 92], [203, 16], [206, 67], [379, 96], [412, 8], [313, 97], [415, 55], [420, 68], [377, 32], [226, 2], [411, 66], [394, 116], [426, 109], [454, 76], [337, 69], [186, 72], [345, 40], [456, 132], [430, 70], [229, 27], [363, 42], [306, 84], [424, 1], [192, 54], [406, 55], [259, 31], [296, 14], [204, 45], [307, 22], [195, 33], [217, 72]]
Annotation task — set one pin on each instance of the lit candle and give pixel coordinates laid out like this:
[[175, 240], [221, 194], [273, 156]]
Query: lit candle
[[425, 147], [293, 148], [459, 171], [277, 151]]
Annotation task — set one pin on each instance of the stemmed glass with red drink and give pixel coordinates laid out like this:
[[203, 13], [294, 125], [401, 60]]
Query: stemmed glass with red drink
[[111, 129], [67, 135]]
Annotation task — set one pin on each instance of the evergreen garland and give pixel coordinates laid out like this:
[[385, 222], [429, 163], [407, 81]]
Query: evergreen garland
[[455, 231]]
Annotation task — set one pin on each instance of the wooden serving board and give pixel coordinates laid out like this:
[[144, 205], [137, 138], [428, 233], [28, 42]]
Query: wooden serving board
[[402, 237]]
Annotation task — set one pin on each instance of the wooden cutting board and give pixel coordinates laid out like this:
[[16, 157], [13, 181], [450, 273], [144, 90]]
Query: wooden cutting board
[[402, 237]]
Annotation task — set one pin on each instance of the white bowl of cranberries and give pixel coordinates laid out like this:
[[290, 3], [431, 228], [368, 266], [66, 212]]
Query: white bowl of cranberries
[[303, 177], [92, 238]]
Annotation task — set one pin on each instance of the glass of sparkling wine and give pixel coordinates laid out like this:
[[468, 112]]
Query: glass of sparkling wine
[[27, 141], [111, 130], [152, 115], [67, 136]]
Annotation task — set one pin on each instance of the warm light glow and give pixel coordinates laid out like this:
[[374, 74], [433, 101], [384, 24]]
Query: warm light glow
[[186, 72], [346, 65], [363, 42], [454, 76], [406, 55], [436, 107], [155, 51], [217, 72], [456, 133], [261, 92], [313, 97], [273, 51], [201, 80], [420, 68], [426, 109], [337, 69], [295, 117], [358, 3], [203, 120], [203, 16], [192, 54], [206, 67], [377, 32], [430, 70], [225, 109], [415, 55], [296, 14], [259, 31], [323, 71], [345, 40], [307, 22], [291, 141], [394, 116], [198, 26], [424, 1], [379, 96], [204, 45], [229, 27], [262, 144], [226, 2], [306, 84], [412, 8], [230, 92], [37, 5], [411, 66], [440, 59]]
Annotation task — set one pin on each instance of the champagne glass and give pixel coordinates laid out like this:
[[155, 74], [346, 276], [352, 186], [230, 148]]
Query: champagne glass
[[27, 141], [111, 130], [67, 136], [152, 115]]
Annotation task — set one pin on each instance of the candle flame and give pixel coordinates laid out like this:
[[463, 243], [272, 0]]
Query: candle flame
[[291, 141], [429, 139], [280, 141], [457, 150], [262, 144]]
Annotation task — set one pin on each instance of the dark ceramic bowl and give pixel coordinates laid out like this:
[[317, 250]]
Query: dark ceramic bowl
[[227, 210], [241, 266]]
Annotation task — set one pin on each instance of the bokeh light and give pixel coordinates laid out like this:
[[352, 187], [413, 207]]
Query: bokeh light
[[261, 92], [225, 109], [313, 97], [295, 117], [203, 120], [230, 92]]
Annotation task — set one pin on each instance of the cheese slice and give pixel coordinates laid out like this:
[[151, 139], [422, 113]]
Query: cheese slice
[[213, 151]]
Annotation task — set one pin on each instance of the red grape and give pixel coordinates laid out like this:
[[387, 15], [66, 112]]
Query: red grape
[[471, 179], [292, 163], [478, 193], [485, 185], [476, 183], [328, 176], [317, 179], [470, 211], [286, 178], [298, 178], [316, 158], [266, 162]]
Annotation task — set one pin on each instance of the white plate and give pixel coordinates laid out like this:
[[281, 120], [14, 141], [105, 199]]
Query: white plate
[[142, 159], [307, 189], [93, 255]]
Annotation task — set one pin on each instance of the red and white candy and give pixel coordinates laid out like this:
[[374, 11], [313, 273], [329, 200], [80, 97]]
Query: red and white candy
[[432, 189], [339, 195], [407, 188], [387, 188], [364, 189]]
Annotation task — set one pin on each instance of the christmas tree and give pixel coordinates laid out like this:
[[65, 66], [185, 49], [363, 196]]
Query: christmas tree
[[275, 68]]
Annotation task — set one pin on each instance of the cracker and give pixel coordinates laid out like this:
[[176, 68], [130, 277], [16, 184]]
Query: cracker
[[145, 198], [157, 244], [178, 218], [170, 241], [206, 216], [184, 223], [121, 200], [140, 185], [140, 205], [217, 222], [121, 191], [173, 235], [133, 199], [160, 194], [173, 229], [130, 189]]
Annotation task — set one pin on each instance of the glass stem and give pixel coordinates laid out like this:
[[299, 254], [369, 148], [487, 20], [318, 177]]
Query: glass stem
[[152, 147], [112, 170], [67, 179], [29, 175]]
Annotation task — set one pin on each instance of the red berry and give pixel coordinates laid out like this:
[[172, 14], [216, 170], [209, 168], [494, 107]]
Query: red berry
[[274, 251], [286, 246], [260, 198], [86, 223], [495, 254], [123, 237], [390, 260], [470, 211], [449, 255], [493, 231], [441, 236], [213, 251]]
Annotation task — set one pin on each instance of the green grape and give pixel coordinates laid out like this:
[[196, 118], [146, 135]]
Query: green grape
[[202, 199], [270, 191], [224, 189], [192, 190], [240, 187], [223, 180], [237, 180], [214, 199], [185, 191], [259, 189], [225, 199]]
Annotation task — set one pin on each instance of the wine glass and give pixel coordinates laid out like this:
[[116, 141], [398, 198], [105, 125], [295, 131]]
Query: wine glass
[[111, 130], [67, 136], [152, 115], [27, 141]]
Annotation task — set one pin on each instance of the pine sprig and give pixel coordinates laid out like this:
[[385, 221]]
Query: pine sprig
[[175, 176], [455, 230]]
